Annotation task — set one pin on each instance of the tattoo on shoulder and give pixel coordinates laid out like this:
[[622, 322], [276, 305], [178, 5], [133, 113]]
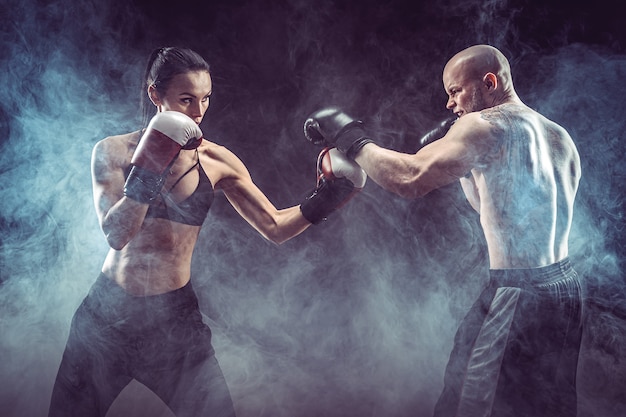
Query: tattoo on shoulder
[[494, 116]]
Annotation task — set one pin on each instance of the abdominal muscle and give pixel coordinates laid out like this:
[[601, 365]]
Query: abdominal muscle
[[156, 261]]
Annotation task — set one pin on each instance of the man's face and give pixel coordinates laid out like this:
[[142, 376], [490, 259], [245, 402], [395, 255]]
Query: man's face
[[465, 95]]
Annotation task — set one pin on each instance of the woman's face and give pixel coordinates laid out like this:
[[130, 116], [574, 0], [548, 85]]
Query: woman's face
[[187, 93]]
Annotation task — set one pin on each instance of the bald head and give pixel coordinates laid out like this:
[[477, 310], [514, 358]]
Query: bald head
[[483, 68], [479, 60]]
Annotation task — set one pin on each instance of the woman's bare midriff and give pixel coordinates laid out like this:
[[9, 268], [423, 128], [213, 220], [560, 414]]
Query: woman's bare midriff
[[156, 261]]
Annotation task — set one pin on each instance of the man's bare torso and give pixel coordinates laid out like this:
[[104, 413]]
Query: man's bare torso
[[525, 194]]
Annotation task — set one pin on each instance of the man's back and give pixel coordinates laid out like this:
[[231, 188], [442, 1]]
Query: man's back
[[527, 191]]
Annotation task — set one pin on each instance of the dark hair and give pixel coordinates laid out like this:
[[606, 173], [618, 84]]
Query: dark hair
[[163, 64]]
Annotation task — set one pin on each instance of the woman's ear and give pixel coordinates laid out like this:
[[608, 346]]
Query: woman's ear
[[154, 95], [491, 81]]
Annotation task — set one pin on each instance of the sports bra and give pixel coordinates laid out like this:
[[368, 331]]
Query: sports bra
[[192, 210]]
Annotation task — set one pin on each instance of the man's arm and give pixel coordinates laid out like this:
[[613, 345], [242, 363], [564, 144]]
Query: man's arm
[[436, 165], [410, 175]]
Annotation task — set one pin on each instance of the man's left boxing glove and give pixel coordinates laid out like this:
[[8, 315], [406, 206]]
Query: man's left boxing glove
[[167, 133], [437, 133], [333, 127], [338, 180]]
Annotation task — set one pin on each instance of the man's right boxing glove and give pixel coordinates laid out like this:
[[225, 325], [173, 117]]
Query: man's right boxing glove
[[437, 133], [333, 127], [167, 133], [338, 180]]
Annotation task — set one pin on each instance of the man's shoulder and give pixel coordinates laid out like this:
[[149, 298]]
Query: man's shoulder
[[506, 111], [485, 122], [516, 115]]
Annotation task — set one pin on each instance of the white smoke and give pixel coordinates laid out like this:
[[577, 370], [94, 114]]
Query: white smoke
[[357, 315]]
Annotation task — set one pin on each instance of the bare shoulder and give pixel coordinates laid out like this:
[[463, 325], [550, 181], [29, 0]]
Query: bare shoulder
[[553, 126], [475, 139], [498, 118], [479, 127], [217, 152], [561, 143], [113, 152], [498, 121], [222, 164], [525, 118], [117, 145]]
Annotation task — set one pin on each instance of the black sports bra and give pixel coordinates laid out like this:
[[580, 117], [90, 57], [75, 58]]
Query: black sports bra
[[192, 210]]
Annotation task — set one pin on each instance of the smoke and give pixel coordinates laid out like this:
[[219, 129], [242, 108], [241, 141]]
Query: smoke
[[596, 242], [357, 315], [62, 75]]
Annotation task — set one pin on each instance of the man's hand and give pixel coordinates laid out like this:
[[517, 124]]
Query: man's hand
[[333, 127]]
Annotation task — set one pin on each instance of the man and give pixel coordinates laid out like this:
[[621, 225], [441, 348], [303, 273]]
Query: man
[[516, 351]]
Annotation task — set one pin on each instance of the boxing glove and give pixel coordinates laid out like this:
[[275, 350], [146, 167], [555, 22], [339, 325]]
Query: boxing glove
[[437, 133], [338, 180], [167, 133], [334, 128]]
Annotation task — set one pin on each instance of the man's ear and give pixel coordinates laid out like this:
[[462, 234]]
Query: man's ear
[[491, 81], [154, 95]]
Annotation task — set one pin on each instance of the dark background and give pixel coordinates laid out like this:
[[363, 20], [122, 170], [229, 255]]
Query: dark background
[[356, 316]]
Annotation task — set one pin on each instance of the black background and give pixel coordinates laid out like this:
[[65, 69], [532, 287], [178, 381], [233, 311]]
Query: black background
[[356, 316]]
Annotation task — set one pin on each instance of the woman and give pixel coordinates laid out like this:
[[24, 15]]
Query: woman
[[152, 191]]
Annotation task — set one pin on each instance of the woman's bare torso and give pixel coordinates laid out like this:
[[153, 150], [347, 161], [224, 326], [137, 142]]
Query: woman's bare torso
[[158, 258]]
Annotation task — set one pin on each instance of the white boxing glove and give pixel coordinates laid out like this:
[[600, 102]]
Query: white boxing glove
[[334, 164], [167, 133]]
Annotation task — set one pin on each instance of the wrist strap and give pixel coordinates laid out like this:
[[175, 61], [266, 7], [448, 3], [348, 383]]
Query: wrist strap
[[357, 146], [326, 198], [351, 141], [142, 185]]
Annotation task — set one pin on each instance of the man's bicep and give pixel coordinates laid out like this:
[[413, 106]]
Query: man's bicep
[[466, 146], [449, 159]]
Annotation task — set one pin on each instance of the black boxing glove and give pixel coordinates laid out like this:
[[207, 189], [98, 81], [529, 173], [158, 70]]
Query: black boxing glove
[[437, 133], [338, 180], [334, 128]]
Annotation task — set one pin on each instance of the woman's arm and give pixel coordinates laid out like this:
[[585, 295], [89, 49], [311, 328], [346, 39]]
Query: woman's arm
[[275, 225], [120, 217]]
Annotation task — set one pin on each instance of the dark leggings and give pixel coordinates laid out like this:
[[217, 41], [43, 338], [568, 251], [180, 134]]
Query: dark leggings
[[516, 352], [161, 341]]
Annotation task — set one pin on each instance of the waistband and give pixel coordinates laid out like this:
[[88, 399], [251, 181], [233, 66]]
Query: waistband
[[532, 277], [107, 291]]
